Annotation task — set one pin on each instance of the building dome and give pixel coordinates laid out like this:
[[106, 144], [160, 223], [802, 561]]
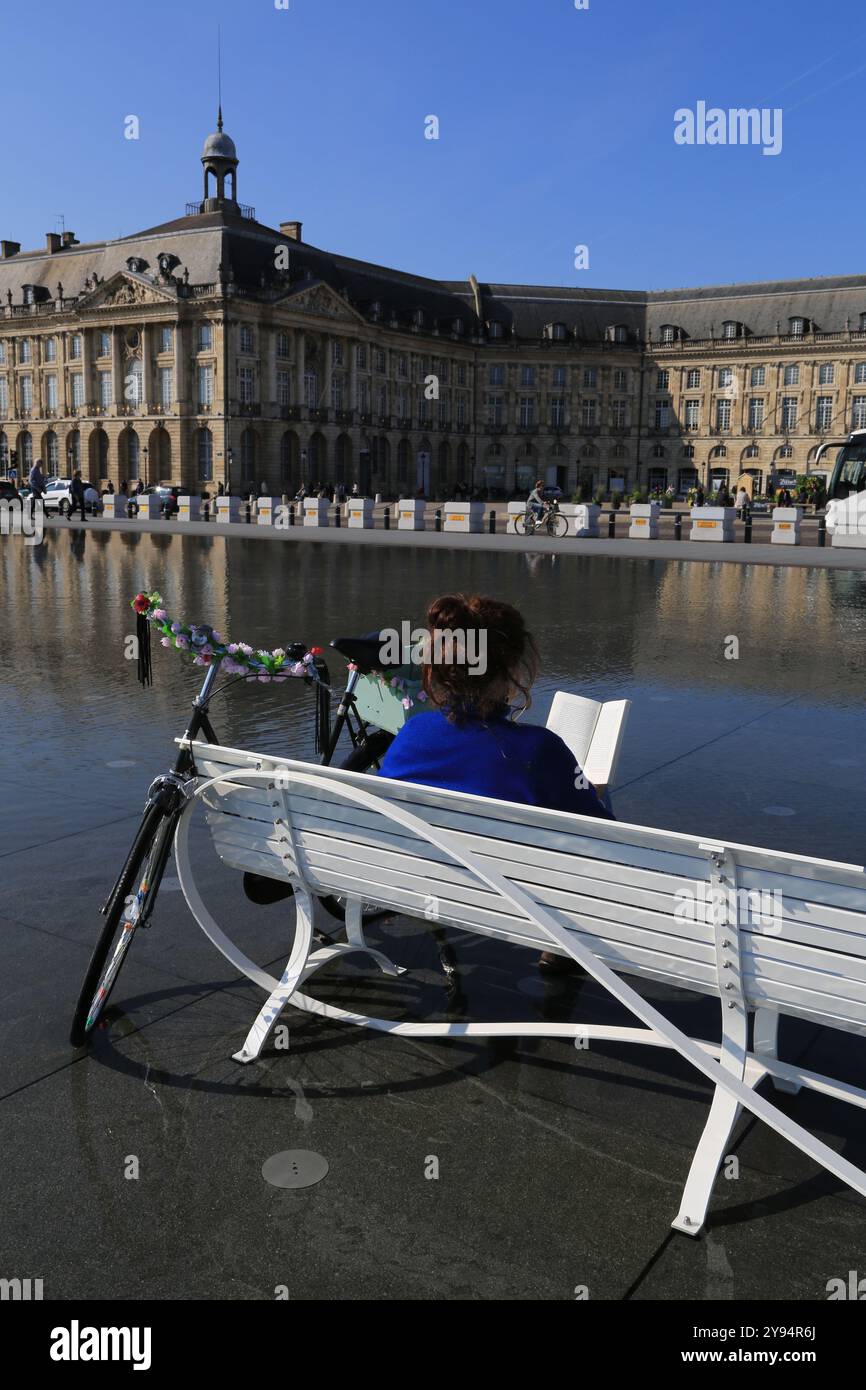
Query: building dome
[[219, 146]]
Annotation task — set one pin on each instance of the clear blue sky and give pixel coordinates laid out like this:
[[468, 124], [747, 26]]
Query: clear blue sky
[[556, 128]]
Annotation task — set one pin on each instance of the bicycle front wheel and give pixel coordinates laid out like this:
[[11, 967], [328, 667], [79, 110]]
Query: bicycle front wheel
[[557, 525], [133, 901], [520, 525]]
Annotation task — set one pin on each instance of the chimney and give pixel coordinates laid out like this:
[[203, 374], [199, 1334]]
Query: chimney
[[9, 248], [292, 230], [52, 242], [68, 239]]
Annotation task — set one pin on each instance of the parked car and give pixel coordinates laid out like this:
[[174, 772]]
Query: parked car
[[168, 496], [8, 491], [58, 496]]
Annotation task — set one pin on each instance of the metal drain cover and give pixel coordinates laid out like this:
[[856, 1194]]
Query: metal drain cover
[[295, 1168]]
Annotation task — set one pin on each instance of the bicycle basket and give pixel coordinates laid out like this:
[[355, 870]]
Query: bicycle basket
[[381, 703]]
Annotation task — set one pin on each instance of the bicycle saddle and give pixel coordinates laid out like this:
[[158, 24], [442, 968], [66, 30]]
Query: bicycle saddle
[[364, 652]]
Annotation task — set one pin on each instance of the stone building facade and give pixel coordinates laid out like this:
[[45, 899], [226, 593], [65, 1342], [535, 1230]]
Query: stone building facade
[[213, 348]]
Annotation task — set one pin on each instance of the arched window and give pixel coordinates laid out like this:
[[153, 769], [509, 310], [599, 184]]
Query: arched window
[[798, 326], [4, 452], [73, 449], [25, 454], [731, 329], [205, 455]]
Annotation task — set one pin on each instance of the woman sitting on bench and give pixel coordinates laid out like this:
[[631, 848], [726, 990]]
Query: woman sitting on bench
[[480, 658], [470, 741]]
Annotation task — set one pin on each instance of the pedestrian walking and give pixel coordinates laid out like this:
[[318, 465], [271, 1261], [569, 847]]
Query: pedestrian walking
[[77, 492]]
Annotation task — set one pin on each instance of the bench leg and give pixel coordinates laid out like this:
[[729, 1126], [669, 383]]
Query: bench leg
[[717, 1130], [279, 998], [766, 1035], [355, 937]]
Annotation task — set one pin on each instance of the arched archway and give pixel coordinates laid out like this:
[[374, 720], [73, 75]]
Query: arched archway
[[50, 453], [24, 446], [159, 456], [289, 459], [343, 459], [129, 456], [317, 458], [97, 454], [4, 452], [204, 454], [249, 455]]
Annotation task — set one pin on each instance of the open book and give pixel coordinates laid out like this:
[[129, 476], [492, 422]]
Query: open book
[[593, 731]]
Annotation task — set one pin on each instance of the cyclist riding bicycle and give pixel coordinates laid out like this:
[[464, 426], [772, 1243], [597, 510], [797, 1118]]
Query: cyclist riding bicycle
[[535, 501]]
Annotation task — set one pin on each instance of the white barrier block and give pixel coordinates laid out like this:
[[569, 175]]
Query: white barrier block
[[266, 508], [786, 525], [360, 512], [712, 523], [189, 508], [149, 505], [228, 509], [585, 519], [316, 511], [114, 505], [515, 509], [644, 521], [411, 512], [464, 516]]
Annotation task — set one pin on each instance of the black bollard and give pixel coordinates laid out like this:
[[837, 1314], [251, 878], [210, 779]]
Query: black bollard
[[491, 523], [336, 516], [747, 528], [387, 518], [822, 529], [437, 519], [205, 511], [291, 515], [249, 511], [611, 525], [678, 526]]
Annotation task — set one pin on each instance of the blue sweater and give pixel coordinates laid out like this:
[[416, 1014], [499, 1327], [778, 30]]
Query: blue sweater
[[511, 762]]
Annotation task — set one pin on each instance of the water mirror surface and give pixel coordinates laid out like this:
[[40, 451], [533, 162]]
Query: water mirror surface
[[766, 748]]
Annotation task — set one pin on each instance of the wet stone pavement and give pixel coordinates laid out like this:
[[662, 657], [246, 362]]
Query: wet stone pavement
[[476, 1170]]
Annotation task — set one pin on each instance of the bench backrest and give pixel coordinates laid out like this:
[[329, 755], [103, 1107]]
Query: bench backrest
[[637, 897]]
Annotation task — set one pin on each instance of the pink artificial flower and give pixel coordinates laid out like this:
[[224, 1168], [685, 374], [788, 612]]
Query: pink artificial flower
[[159, 614], [165, 642]]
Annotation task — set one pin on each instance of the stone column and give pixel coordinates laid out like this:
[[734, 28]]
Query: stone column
[[182, 375], [62, 384], [300, 364], [325, 399], [117, 371], [147, 366], [86, 366], [353, 376]]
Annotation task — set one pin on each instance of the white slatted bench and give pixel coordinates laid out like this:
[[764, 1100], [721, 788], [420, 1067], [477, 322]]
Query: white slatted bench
[[611, 896]]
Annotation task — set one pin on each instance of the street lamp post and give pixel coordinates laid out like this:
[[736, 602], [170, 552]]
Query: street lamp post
[[230, 454]]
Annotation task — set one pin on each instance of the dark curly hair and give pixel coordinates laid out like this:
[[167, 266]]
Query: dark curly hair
[[485, 625]]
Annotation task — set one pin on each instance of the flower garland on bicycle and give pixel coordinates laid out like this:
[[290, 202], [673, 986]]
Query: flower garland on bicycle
[[207, 646]]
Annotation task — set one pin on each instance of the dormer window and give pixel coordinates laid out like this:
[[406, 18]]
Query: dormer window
[[557, 332], [136, 265], [457, 327], [670, 333], [494, 329], [798, 326], [863, 323], [418, 318], [375, 310], [29, 294], [617, 333], [732, 329]]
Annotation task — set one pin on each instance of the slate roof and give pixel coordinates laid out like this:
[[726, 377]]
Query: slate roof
[[203, 241]]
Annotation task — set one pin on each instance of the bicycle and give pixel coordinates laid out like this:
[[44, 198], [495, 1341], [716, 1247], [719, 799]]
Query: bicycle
[[552, 521], [130, 904]]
